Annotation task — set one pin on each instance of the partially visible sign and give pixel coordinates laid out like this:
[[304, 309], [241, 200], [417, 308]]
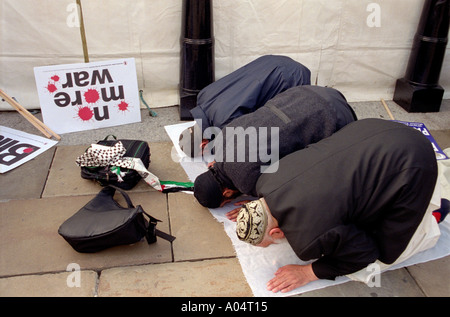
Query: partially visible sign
[[440, 155], [78, 97], [17, 147]]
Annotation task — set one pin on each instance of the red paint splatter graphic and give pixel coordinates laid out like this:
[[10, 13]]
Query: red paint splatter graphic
[[51, 87], [85, 113], [91, 96], [123, 106], [28, 150]]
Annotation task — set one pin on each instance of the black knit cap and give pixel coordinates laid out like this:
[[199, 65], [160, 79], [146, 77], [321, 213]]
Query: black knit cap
[[207, 190]]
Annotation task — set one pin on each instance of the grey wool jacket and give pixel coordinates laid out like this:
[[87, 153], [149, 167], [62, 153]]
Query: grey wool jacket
[[302, 115]]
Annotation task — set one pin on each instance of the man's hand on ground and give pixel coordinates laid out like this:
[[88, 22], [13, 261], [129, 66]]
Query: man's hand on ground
[[290, 277], [232, 215]]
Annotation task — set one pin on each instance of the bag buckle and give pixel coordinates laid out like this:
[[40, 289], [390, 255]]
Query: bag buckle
[[150, 235]]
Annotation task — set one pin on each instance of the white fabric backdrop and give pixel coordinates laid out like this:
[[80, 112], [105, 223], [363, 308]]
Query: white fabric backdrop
[[331, 37]]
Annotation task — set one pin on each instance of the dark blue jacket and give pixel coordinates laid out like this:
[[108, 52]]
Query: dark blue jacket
[[247, 89]]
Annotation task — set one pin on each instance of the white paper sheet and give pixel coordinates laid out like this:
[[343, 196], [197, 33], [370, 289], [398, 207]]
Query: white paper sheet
[[260, 264]]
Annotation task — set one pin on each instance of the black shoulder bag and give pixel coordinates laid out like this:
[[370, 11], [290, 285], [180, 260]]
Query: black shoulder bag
[[102, 223], [105, 176]]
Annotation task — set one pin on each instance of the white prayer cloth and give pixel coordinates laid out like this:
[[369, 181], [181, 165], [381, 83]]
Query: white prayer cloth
[[430, 242]]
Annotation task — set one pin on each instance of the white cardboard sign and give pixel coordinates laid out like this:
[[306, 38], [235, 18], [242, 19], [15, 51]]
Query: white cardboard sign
[[85, 96]]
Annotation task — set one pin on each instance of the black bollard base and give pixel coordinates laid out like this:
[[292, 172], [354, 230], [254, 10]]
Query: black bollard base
[[197, 53], [187, 103], [415, 98]]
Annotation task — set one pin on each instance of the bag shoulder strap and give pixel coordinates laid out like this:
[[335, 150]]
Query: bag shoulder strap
[[106, 138], [164, 235], [152, 221], [124, 194], [152, 232]]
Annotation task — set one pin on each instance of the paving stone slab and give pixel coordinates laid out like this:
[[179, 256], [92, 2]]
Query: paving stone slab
[[26, 181], [209, 278], [163, 165], [30, 243], [442, 137], [64, 177], [67, 284], [433, 277], [199, 234]]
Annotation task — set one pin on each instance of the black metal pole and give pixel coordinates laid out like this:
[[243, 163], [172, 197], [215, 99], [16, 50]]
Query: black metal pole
[[419, 90], [197, 53]]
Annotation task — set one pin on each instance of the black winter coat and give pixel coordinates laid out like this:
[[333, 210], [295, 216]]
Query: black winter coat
[[354, 197]]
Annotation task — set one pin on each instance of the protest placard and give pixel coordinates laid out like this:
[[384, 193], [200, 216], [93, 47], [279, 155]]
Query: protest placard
[[85, 96], [17, 147], [440, 155]]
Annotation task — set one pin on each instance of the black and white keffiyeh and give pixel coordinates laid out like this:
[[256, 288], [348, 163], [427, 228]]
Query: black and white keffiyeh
[[101, 155]]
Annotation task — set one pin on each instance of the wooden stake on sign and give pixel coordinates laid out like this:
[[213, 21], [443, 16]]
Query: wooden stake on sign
[[83, 33], [27, 115], [387, 109]]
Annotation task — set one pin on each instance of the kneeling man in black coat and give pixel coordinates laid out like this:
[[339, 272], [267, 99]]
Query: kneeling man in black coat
[[345, 202]]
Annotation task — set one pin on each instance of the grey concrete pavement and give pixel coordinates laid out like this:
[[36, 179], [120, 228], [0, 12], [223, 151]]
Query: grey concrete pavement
[[38, 196]]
